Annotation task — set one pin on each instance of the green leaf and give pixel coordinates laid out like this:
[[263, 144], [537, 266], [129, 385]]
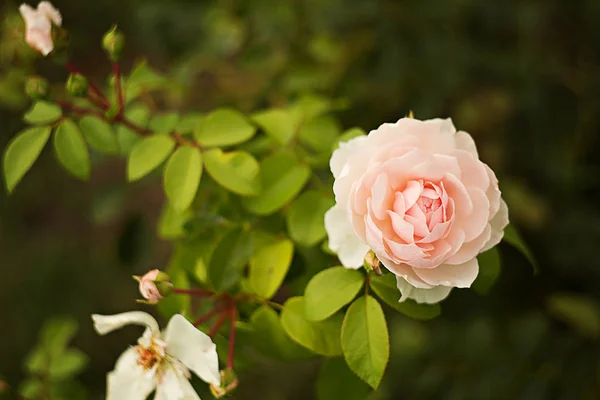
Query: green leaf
[[579, 312], [336, 381], [182, 177], [148, 154], [224, 127], [68, 364], [127, 138], [365, 340], [282, 178], [32, 389], [142, 79], [348, 135], [385, 288], [22, 152], [57, 333], [37, 361], [512, 236], [311, 106], [306, 218], [99, 134], [171, 222], [231, 255], [164, 123], [270, 338], [237, 171], [322, 337], [42, 113], [489, 270], [71, 149], [320, 134], [269, 265], [330, 290], [188, 123], [277, 123]]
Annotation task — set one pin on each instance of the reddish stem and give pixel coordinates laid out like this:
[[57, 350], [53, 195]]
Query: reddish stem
[[232, 316], [207, 316], [194, 292], [215, 329], [101, 98], [118, 88], [83, 111]]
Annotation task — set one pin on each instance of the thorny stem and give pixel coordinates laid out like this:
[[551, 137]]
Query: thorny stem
[[232, 316]]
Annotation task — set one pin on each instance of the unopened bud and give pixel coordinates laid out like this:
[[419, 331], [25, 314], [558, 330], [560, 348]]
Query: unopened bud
[[113, 43], [36, 87], [77, 85], [371, 263], [229, 382], [154, 286]]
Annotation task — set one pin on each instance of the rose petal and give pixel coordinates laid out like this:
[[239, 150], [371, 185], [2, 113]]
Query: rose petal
[[350, 249], [470, 249], [405, 271], [497, 224], [402, 228], [464, 141], [474, 225], [381, 196], [460, 275], [474, 173], [420, 295]]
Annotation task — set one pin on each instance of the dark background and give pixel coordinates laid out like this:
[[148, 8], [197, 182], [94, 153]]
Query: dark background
[[523, 77]]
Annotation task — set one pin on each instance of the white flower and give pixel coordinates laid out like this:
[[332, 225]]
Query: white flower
[[160, 361], [38, 25]]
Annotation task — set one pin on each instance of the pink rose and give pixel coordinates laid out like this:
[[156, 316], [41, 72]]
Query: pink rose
[[148, 288], [38, 25], [416, 193]]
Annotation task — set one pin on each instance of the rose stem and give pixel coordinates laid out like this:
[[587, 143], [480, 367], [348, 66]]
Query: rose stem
[[215, 329], [232, 316], [118, 88], [208, 316]]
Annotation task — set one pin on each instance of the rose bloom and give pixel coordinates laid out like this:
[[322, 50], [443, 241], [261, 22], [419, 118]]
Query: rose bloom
[[416, 193], [38, 25]]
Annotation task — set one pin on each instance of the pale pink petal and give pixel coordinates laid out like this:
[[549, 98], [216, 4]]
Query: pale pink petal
[[463, 206], [478, 220], [470, 249], [460, 275], [381, 197], [438, 232], [419, 225], [403, 252], [423, 296], [404, 271], [474, 173], [464, 141], [411, 193], [402, 228], [436, 256], [399, 202], [398, 168], [497, 224]]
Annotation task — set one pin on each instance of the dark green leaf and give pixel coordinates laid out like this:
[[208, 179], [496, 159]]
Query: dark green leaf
[[336, 382], [231, 255], [489, 270], [99, 134], [306, 217], [512, 236], [385, 288]]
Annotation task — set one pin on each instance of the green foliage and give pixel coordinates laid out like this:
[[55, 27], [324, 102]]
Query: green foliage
[[52, 365], [385, 288], [322, 337], [22, 152], [143, 79], [237, 171], [320, 134], [278, 124], [148, 154], [224, 127], [512, 236], [306, 217], [269, 265], [337, 381], [231, 255], [127, 138], [281, 179], [164, 122], [71, 150], [365, 340], [490, 266], [580, 312], [42, 113], [99, 134], [330, 290], [182, 177]]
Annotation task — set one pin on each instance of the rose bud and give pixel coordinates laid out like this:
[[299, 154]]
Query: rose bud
[[113, 43], [154, 286], [38, 25], [371, 263], [36, 87], [77, 85]]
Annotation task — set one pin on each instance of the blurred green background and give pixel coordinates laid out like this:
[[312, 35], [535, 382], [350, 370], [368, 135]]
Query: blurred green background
[[523, 77]]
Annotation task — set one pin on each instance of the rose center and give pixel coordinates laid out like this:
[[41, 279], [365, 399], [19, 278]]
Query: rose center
[[149, 356]]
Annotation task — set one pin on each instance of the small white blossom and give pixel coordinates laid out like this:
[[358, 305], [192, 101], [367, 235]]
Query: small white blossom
[[160, 361], [38, 25]]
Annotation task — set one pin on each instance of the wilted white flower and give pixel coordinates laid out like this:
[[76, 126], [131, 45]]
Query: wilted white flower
[[160, 361], [38, 25]]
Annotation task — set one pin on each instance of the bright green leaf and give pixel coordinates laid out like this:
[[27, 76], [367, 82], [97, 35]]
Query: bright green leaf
[[171, 222], [320, 134], [489, 270], [182, 177], [164, 122], [231, 255], [365, 340], [279, 124], [142, 79], [512, 236], [385, 288], [224, 127], [348, 135], [306, 217], [336, 381], [42, 113], [237, 171], [269, 265], [322, 337], [22, 152], [99, 134], [282, 178], [71, 149], [68, 364], [311, 106], [188, 123], [270, 338], [148, 154], [330, 290]]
